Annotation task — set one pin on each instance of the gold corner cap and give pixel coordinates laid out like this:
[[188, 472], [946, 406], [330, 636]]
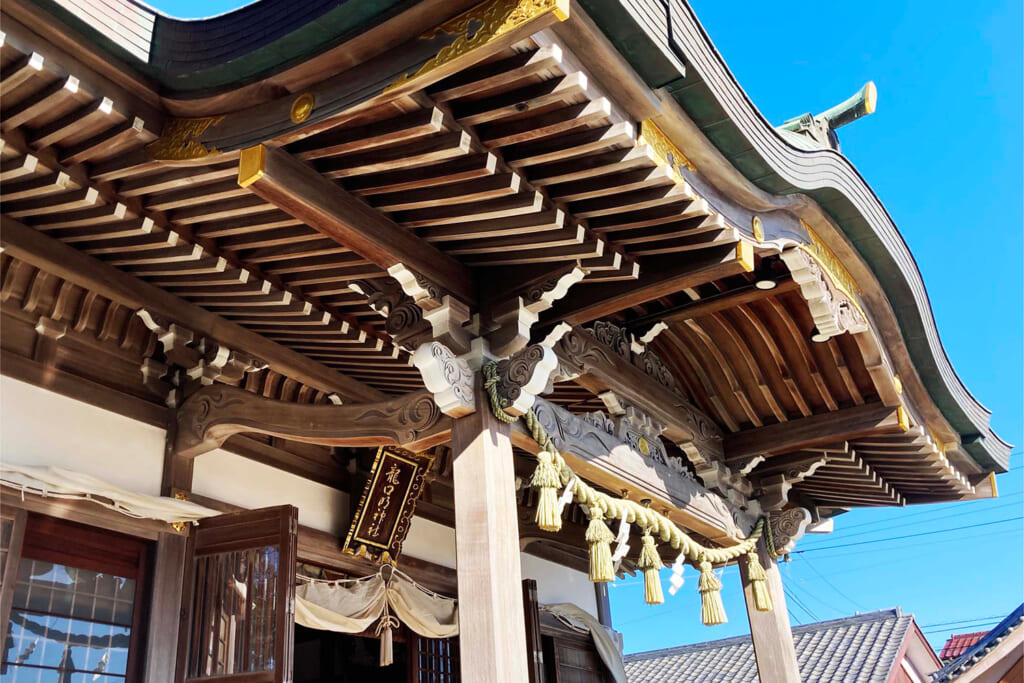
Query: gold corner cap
[[992, 483], [745, 255], [561, 9], [251, 164], [903, 418]]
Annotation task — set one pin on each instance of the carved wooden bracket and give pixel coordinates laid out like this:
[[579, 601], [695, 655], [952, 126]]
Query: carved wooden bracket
[[605, 353], [834, 310], [508, 330], [446, 314], [788, 527], [448, 377], [192, 360], [405, 322], [776, 480], [214, 413]]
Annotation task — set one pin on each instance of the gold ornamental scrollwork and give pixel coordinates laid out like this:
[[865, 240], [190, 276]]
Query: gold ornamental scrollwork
[[819, 251], [479, 26], [665, 152], [179, 140]]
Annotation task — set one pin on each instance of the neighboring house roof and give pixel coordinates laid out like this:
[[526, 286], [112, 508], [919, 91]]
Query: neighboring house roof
[[958, 644], [980, 649], [858, 649]]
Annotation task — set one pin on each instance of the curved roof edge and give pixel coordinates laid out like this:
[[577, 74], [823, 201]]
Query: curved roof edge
[[193, 58], [710, 94]]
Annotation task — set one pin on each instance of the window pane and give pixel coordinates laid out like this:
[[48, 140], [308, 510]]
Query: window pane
[[67, 625], [234, 613]]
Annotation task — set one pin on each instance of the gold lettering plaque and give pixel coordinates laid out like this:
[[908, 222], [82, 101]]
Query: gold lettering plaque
[[382, 518]]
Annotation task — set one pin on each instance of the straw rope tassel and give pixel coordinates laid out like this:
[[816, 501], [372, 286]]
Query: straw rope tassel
[[712, 611], [758, 582], [546, 481], [599, 536], [651, 565]]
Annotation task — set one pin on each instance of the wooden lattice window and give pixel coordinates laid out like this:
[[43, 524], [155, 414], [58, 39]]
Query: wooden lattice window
[[241, 597], [434, 660]]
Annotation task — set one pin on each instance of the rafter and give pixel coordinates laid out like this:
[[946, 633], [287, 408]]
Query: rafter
[[52, 256], [298, 190], [817, 430], [658, 278]]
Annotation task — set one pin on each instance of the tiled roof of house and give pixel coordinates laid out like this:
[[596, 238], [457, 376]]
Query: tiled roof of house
[[977, 651], [858, 649], [958, 644]]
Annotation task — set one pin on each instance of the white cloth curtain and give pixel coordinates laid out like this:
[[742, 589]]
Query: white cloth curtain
[[605, 641], [354, 606], [56, 482]]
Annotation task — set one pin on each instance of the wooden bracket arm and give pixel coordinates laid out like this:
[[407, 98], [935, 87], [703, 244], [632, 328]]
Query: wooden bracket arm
[[214, 413]]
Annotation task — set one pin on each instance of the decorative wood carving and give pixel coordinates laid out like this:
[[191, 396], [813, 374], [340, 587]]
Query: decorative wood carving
[[192, 360], [446, 314], [447, 376], [382, 519], [601, 450], [834, 309], [514, 317], [788, 527], [525, 376], [213, 414], [405, 322], [777, 482], [583, 351]]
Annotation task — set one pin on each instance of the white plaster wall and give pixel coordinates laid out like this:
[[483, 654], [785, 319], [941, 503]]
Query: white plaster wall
[[240, 481], [430, 541], [556, 583], [43, 428]]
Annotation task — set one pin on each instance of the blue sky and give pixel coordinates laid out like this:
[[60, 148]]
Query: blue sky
[[943, 153]]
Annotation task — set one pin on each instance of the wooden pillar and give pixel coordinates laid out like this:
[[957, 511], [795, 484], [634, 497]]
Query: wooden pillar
[[770, 631], [166, 610], [491, 623]]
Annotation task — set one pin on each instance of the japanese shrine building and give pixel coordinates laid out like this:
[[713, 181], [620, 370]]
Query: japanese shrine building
[[339, 334]]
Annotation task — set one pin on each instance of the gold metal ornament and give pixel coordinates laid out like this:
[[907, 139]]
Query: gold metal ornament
[[302, 107], [758, 228], [479, 26], [179, 140], [665, 152], [643, 446]]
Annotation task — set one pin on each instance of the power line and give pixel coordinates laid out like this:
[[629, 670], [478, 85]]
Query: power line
[[997, 617], [960, 505], [833, 586], [932, 519], [898, 538]]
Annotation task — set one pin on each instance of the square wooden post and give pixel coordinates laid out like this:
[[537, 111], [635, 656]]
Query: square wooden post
[[492, 627], [770, 631]]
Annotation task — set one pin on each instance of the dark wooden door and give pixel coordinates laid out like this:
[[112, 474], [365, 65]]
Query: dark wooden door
[[239, 598]]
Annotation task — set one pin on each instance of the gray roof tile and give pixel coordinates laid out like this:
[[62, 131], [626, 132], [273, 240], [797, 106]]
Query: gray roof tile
[[858, 649]]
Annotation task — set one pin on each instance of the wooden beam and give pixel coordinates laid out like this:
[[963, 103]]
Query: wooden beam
[[770, 631], [31, 246], [214, 413], [817, 430], [715, 303], [658, 278], [491, 617], [300, 191]]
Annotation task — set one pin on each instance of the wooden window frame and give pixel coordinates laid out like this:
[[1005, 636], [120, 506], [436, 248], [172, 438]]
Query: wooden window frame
[[83, 557]]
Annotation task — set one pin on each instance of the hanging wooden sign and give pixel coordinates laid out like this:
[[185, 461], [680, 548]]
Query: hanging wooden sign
[[382, 518]]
